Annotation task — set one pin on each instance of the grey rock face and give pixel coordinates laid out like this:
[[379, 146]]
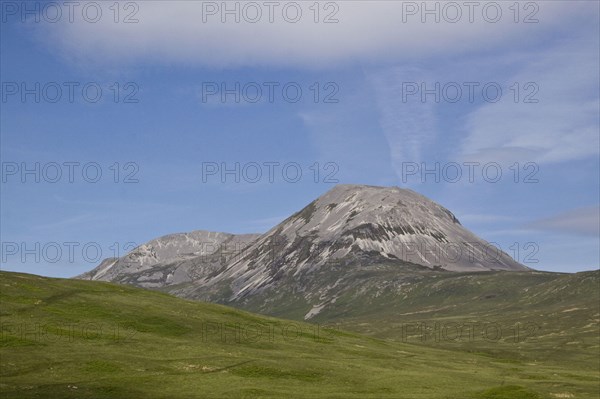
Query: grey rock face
[[158, 263], [353, 242], [354, 224]]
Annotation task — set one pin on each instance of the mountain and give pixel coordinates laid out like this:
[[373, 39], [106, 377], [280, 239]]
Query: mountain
[[352, 241], [158, 263], [371, 260], [363, 225]]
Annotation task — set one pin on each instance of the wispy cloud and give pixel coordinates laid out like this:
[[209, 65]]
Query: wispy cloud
[[584, 221], [561, 126], [409, 126], [175, 32]]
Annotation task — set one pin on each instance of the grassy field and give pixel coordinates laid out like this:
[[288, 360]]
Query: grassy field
[[81, 339], [534, 316]]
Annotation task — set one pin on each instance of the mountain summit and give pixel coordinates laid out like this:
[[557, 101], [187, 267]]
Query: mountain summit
[[355, 225], [352, 241]]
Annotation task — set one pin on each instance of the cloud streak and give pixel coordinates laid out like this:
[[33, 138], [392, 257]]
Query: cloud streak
[[183, 33], [561, 126], [585, 221], [408, 126]]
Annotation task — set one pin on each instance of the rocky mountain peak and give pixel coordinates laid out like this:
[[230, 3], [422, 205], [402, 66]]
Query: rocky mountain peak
[[362, 225], [348, 229]]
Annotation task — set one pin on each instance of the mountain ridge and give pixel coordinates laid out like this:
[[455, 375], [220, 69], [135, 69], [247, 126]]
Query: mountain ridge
[[144, 264], [353, 238], [382, 223]]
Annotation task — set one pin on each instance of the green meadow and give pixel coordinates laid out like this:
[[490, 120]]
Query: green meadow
[[80, 339]]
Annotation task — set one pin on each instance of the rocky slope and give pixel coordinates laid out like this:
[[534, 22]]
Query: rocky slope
[[162, 261], [351, 243], [363, 225]]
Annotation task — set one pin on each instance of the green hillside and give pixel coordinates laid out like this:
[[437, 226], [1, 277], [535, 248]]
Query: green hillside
[[537, 316], [81, 339]]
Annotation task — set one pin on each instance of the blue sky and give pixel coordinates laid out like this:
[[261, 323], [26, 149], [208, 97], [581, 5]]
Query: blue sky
[[369, 125]]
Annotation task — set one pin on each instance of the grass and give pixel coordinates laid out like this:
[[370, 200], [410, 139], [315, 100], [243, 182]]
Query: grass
[[82, 339], [548, 317]]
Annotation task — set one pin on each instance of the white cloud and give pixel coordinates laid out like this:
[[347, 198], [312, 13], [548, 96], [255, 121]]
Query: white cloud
[[173, 33], [561, 126], [580, 221], [409, 126]]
